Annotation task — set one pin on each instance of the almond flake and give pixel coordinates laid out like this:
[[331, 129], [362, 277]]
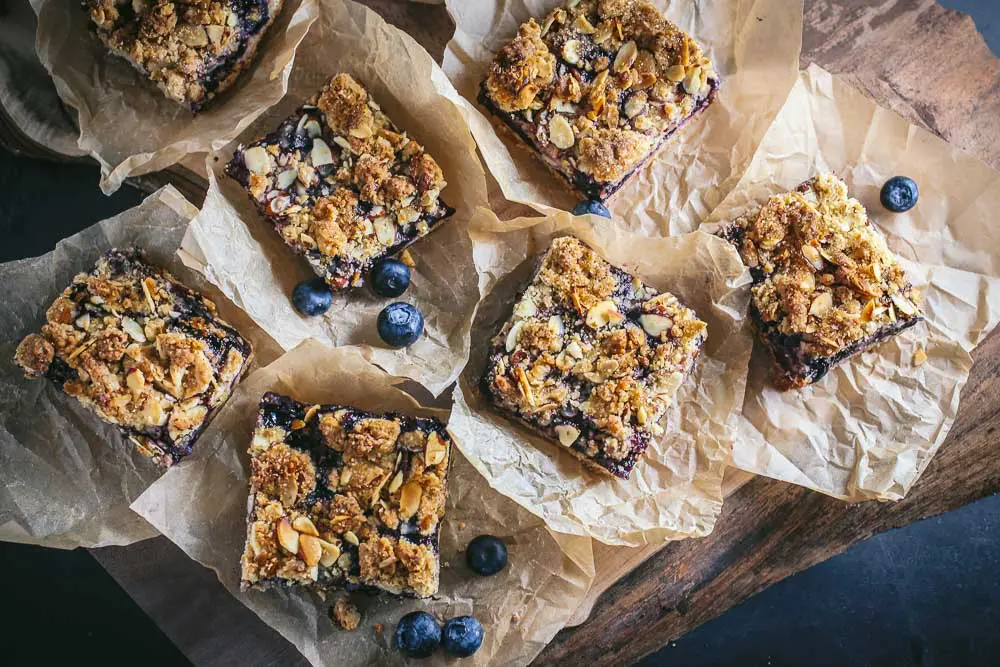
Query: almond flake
[[385, 231], [257, 160], [286, 178], [409, 499], [331, 552], [351, 538], [655, 325], [132, 328], [561, 132], [287, 536], [822, 304], [626, 57], [310, 549], [571, 51], [320, 154], [604, 313], [567, 434], [436, 451], [304, 524]]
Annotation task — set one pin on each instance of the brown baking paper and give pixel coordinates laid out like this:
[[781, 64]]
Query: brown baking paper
[[675, 489], [66, 478], [870, 427], [754, 47], [126, 123], [241, 253], [200, 504]]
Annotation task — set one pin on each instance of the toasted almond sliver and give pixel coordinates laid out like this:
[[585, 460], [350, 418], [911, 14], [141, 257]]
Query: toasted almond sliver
[[626, 57], [350, 537], [310, 549], [331, 552], [287, 536], [409, 499], [436, 451], [304, 524]]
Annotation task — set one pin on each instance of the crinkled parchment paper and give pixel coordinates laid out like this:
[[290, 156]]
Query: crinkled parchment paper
[[126, 123], [200, 504], [66, 478], [675, 489], [870, 427], [754, 45], [240, 252]]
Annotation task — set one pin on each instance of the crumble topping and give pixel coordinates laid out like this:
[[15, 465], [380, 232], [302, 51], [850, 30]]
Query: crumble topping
[[345, 614], [592, 357], [599, 85], [342, 184], [191, 49], [822, 272], [340, 496], [140, 350]]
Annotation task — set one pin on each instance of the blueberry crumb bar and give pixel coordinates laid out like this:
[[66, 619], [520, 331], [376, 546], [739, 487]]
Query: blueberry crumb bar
[[191, 49], [825, 284], [341, 184], [141, 351], [597, 88], [591, 358], [340, 497]]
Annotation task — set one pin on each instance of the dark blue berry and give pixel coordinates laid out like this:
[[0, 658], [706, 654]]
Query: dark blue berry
[[312, 297], [400, 324], [390, 277], [899, 194], [462, 636], [486, 555], [593, 207], [418, 634]]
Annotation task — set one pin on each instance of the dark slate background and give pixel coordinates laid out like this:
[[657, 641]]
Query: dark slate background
[[925, 595]]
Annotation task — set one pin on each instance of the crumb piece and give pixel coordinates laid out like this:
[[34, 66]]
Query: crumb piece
[[919, 357], [345, 614]]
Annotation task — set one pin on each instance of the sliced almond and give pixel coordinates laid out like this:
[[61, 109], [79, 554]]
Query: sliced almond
[[436, 451], [604, 313], [304, 524], [215, 33], [822, 304], [254, 542], [286, 178], [321, 153], [525, 386], [135, 380], [513, 334], [385, 231], [331, 552], [344, 562], [626, 57], [811, 254], [567, 434], [396, 482], [83, 321], [288, 491], [409, 499], [257, 160], [571, 51], [555, 325], [310, 549], [635, 105], [132, 328], [641, 415], [287, 536], [525, 308], [561, 132], [313, 128], [655, 325], [350, 537], [904, 305], [574, 350]]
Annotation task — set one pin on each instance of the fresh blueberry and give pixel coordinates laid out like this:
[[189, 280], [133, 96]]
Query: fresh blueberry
[[593, 207], [462, 636], [899, 194], [312, 297], [486, 555], [400, 324], [418, 634], [390, 277]]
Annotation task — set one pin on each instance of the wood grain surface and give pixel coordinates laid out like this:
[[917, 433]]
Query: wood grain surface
[[930, 65]]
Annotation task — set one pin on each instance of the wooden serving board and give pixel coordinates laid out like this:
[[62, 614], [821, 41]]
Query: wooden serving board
[[925, 62]]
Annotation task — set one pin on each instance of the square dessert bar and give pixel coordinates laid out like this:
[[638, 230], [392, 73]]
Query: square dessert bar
[[591, 358], [191, 49], [343, 497], [597, 88], [341, 184], [825, 285], [141, 351]]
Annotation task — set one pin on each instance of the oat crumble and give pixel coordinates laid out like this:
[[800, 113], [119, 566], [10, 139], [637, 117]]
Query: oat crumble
[[191, 49], [826, 285], [340, 497], [341, 184], [597, 87], [592, 358], [141, 351]]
